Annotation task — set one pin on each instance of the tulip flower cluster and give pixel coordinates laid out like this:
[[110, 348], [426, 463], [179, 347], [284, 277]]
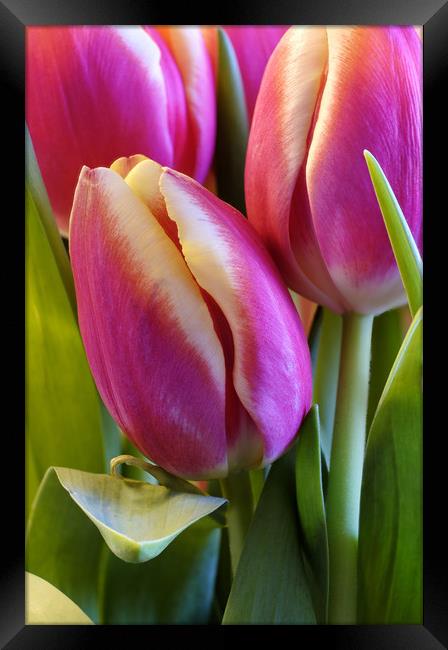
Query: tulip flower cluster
[[184, 309]]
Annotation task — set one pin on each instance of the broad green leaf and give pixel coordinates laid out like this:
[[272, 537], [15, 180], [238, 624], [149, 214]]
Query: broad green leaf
[[310, 502], [270, 584], [63, 416], [405, 250], [63, 546], [137, 520], [46, 605], [176, 587], [390, 541], [232, 126], [326, 374], [387, 336]]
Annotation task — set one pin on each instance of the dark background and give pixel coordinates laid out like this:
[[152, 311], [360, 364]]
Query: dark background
[[14, 16]]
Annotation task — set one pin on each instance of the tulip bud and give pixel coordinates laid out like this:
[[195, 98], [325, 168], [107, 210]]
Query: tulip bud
[[192, 338], [97, 93], [328, 94]]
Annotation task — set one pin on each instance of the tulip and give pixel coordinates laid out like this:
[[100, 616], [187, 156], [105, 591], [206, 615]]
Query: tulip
[[97, 93], [328, 94], [191, 335]]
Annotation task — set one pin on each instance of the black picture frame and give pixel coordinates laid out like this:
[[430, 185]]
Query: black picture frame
[[15, 16]]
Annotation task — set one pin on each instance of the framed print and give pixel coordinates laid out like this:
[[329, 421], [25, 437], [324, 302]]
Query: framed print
[[224, 416]]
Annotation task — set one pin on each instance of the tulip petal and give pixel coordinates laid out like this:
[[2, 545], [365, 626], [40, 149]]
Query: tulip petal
[[148, 334], [143, 179], [271, 372], [277, 151], [93, 94], [253, 47], [371, 100], [189, 50]]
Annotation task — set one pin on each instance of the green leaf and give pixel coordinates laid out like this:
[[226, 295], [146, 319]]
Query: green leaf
[[310, 501], [232, 126], [390, 541], [46, 605], [270, 584], [176, 587], [63, 418], [403, 244], [63, 546], [387, 336], [137, 520]]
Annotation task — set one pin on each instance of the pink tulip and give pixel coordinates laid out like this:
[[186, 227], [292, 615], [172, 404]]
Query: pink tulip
[[97, 93], [191, 335], [328, 94]]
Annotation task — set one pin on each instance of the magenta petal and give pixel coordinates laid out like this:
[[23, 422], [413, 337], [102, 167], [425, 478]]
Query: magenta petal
[[253, 47], [93, 94], [189, 49], [372, 100], [149, 338], [272, 371]]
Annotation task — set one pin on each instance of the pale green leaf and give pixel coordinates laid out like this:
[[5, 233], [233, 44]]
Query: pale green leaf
[[270, 584], [310, 501], [405, 249], [232, 126], [137, 520], [390, 541], [46, 605]]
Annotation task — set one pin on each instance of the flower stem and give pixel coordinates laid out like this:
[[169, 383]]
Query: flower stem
[[237, 489], [347, 457]]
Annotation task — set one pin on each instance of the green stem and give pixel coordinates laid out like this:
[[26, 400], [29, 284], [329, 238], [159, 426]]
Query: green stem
[[326, 376], [237, 489], [347, 457]]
